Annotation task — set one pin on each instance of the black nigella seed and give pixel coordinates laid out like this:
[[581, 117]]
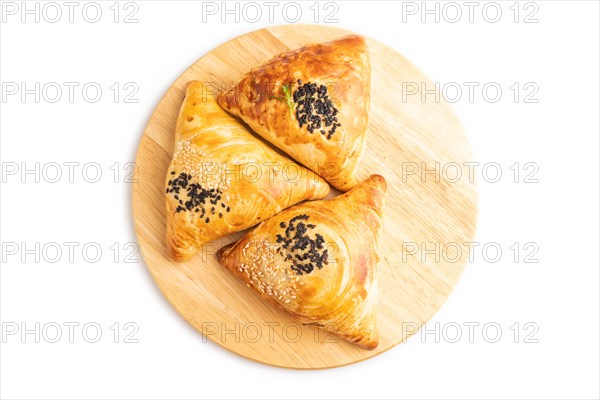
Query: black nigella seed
[[220, 215], [302, 250], [314, 108], [207, 220], [228, 209], [193, 196]]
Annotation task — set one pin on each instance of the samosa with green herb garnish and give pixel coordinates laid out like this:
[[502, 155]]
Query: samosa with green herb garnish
[[312, 103]]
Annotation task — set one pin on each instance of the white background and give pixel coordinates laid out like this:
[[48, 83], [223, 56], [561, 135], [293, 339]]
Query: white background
[[559, 294]]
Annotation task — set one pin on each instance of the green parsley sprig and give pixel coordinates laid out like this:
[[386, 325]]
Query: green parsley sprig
[[287, 97]]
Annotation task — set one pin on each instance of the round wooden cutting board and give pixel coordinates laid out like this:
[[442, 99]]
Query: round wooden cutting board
[[416, 144]]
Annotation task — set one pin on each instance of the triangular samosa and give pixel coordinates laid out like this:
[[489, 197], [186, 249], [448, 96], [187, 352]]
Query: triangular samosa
[[222, 179], [318, 261], [312, 103]]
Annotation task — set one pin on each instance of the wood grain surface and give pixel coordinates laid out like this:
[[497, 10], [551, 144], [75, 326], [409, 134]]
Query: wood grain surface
[[406, 139]]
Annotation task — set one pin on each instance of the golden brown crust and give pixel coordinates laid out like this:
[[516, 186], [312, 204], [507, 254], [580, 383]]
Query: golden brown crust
[[222, 179], [339, 238], [342, 66]]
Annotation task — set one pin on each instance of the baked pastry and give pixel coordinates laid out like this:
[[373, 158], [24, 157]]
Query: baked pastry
[[312, 103], [222, 179], [318, 261]]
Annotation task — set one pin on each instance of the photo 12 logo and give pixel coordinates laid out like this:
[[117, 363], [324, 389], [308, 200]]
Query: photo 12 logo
[[471, 92], [270, 11], [67, 172], [453, 12], [270, 331], [69, 92], [69, 252], [488, 252], [225, 174], [472, 332], [53, 12], [68, 332], [471, 171]]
